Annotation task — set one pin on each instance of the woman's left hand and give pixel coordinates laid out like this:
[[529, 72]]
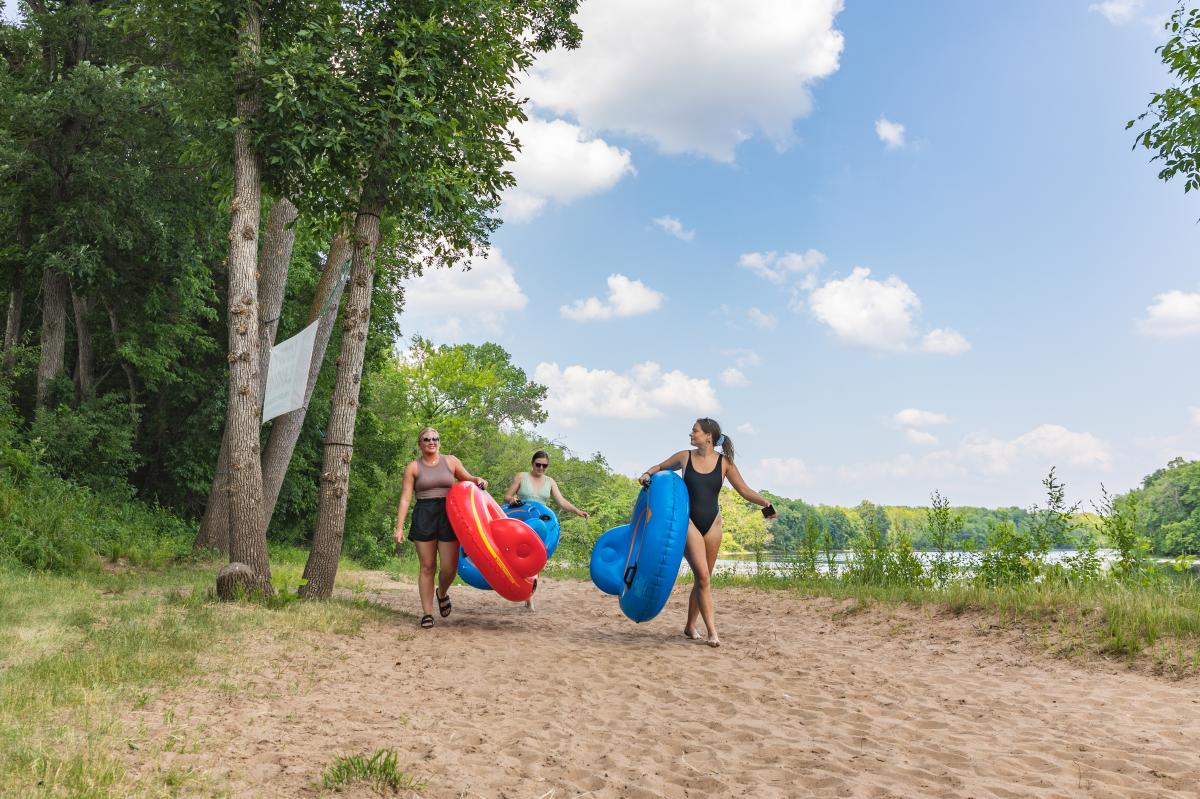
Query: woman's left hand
[[582, 514], [481, 483]]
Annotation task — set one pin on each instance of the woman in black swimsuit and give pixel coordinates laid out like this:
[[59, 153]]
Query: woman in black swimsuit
[[704, 472]]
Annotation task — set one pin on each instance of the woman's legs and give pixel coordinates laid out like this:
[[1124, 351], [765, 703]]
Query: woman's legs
[[448, 555], [427, 552], [697, 557], [712, 546]]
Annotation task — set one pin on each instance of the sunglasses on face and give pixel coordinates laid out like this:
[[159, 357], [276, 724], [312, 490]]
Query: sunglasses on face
[[433, 440], [542, 465]]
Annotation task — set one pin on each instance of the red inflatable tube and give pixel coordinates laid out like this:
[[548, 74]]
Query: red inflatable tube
[[507, 552]]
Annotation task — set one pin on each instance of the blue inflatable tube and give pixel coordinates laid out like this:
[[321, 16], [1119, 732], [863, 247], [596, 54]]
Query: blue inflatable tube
[[543, 521], [639, 561]]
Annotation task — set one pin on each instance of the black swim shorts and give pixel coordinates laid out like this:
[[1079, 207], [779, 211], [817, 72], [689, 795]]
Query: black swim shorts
[[429, 521]]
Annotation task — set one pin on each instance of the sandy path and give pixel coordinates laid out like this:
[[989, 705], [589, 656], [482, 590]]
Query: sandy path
[[575, 700]]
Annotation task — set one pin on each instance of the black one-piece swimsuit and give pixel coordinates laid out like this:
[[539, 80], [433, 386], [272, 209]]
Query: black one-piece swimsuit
[[703, 490]]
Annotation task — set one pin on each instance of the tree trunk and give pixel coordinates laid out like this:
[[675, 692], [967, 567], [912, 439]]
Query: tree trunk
[[16, 301], [247, 540], [285, 430], [130, 374], [214, 525], [321, 568], [85, 365], [276, 256], [54, 330]]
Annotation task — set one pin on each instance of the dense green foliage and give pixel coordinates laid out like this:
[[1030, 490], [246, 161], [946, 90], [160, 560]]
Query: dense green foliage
[[51, 524], [1173, 130], [1166, 509]]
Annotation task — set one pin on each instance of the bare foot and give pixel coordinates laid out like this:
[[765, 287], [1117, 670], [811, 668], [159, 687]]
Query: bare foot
[[529, 604], [713, 640], [691, 634]]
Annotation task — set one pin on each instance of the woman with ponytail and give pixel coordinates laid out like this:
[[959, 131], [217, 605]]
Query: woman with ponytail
[[704, 472]]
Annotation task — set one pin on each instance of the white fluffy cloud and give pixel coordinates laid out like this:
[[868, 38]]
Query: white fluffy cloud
[[778, 267], [761, 319], [673, 226], [945, 342], [921, 437], [559, 161], [747, 428], [890, 133], [444, 298], [915, 417], [780, 473], [734, 377], [743, 357], [1175, 313], [980, 458], [1118, 12], [878, 315], [642, 392], [625, 298], [696, 76], [867, 312], [1048, 444]]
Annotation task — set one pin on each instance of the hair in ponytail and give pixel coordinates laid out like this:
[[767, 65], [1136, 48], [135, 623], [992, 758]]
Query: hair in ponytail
[[713, 428]]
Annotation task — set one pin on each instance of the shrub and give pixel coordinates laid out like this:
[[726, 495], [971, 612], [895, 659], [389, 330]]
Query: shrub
[[91, 445]]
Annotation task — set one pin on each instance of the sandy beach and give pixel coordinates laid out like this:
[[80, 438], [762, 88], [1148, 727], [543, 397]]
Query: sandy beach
[[574, 700]]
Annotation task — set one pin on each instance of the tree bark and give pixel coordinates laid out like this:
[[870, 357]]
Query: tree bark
[[278, 242], [16, 301], [54, 330], [126, 366], [285, 430], [247, 539], [321, 568], [85, 364]]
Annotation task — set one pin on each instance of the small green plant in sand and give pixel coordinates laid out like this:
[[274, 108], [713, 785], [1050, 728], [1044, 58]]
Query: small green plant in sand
[[380, 770]]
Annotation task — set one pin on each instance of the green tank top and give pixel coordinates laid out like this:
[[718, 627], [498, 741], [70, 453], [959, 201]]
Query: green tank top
[[526, 492]]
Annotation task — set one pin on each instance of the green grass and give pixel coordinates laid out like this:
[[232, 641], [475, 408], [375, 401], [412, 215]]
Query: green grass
[[76, 651], [379, 770], [1157, 623]]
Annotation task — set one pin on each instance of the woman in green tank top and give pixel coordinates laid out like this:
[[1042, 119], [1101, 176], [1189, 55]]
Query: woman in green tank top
[[537, 486]]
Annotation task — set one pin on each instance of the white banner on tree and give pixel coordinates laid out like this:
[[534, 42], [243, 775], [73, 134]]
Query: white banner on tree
[[287, 376]]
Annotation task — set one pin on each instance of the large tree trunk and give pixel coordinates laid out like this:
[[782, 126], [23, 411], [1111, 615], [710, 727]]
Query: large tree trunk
[[285, 430], [247, 540], [321, 568], [54, 330], [16, 301], [130, 374], [278, 242], [85, 365]]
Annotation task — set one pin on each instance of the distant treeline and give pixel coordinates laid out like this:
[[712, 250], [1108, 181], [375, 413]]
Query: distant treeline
[[843, 523]]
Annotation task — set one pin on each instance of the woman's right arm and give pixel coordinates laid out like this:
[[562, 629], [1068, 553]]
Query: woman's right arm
[[671, 463], [406, 492], [513, 487]]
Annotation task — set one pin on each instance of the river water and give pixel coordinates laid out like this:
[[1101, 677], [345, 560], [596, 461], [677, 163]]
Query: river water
[[745, 563]]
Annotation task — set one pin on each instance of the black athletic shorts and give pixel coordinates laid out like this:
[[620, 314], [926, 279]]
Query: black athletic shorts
[[430, 522]]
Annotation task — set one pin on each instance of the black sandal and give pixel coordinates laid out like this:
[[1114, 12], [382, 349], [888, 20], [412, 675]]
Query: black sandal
[[444, 606], [426, 621]]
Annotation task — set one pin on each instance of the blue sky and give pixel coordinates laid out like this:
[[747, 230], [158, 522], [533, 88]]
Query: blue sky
[[1032, 298], [891, 247]]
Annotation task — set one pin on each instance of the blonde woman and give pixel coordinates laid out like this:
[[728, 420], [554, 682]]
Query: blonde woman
[[430, 477]]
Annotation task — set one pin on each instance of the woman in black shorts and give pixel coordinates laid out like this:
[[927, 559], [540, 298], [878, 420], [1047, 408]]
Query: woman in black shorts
[[704, 472], [430, 476]]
